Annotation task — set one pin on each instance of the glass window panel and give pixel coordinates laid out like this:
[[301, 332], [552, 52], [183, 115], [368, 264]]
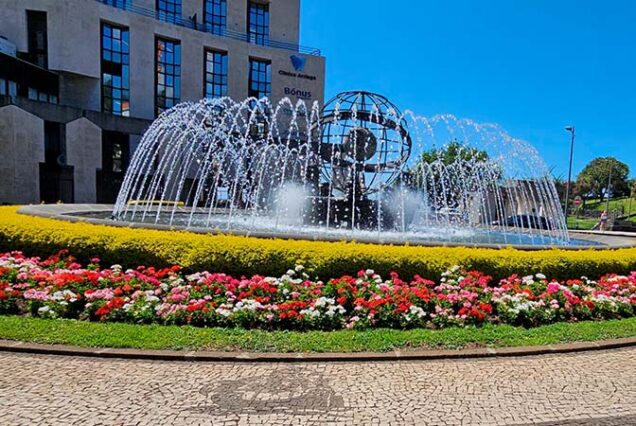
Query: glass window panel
[[215, 16], [216, 72], [115, 71], [168, 74], [13, 88], [169, 10], [259, 79], [258, 23]]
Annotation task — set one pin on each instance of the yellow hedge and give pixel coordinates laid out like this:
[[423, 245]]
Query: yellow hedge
[[245, 255]]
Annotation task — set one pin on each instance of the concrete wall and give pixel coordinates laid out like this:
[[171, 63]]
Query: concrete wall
[[84, 152], [80, 91], [21, 150], [285, 20]]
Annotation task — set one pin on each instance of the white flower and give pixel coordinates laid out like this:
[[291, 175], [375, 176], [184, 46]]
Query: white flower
[[417, 311], [528, 279], [310, 312], [540, 276]]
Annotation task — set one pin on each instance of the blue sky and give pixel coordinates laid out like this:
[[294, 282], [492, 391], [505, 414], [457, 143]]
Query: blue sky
[[533, 66]]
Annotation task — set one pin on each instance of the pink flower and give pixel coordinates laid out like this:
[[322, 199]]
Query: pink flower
[[554, 287]]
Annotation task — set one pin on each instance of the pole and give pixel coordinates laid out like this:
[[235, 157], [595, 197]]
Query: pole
[[567, 188]]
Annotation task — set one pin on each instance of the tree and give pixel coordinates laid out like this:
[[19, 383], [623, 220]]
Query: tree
[[593, 180], [560, 184], [453, 152], [448, 173]]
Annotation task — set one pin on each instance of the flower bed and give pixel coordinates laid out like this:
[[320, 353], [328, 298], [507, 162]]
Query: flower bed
[[61, 287]]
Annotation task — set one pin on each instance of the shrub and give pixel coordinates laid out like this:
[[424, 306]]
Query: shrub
[[240, 255]]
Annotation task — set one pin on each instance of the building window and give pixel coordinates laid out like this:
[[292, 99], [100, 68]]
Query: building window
[[169, 10], [260, 78], [115, 70], [258, 23], [122, 4], [37, 38], [13, 89], [168, 71], [215, 74], [215, 16], [37, 95], [115, 148], [9, 88]]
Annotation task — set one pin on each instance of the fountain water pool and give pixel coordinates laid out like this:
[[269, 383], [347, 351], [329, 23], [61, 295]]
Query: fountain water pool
[[358, 168]]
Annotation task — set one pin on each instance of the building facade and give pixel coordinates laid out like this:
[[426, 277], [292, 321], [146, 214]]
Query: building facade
[[81, 80]]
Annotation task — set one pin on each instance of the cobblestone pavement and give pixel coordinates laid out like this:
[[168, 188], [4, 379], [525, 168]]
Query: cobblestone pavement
[[573, 389]]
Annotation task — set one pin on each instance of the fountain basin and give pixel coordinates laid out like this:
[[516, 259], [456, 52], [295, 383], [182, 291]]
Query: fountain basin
[[101, 214]]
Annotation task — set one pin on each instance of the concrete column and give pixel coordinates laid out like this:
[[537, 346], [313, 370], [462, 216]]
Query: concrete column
[[237, 15], [142, 65], [238, 73], [190, 8], [191, 68], [84, 152], [284, 17], [21, 151]]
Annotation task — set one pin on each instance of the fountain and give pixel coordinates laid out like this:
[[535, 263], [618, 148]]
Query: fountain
[[357, 169]]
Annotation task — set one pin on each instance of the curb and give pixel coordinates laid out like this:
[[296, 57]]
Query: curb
[[206, 356]]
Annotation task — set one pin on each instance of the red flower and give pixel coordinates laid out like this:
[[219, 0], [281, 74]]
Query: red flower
[[103, 311], [486, 308], [116, 302]]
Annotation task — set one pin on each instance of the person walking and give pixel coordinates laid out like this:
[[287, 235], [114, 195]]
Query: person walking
[[603, 221]]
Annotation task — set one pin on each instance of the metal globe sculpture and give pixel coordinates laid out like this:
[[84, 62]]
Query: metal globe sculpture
[[365, 143]]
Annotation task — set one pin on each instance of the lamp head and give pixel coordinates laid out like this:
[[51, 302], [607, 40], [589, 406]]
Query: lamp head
[[569, 128]]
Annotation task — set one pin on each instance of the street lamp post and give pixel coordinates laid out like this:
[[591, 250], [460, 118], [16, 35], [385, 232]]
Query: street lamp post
[[567, 188], [609, 185]]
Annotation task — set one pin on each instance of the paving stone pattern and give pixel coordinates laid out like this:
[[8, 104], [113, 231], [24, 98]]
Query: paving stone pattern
[[591, 388]]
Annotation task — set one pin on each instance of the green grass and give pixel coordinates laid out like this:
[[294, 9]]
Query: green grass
[[581, 223], [114, 335], [620, 204]]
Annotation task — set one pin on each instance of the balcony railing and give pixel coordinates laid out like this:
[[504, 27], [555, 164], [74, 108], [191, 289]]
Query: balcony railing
[[207, 28]]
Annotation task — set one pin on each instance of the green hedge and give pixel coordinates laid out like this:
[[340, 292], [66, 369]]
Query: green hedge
[[245, 255]]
